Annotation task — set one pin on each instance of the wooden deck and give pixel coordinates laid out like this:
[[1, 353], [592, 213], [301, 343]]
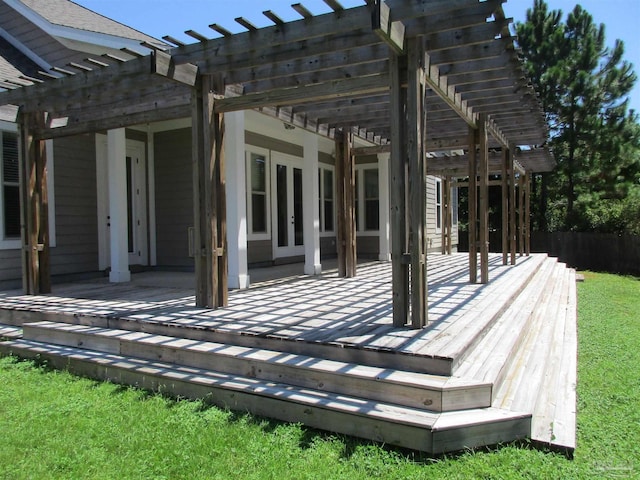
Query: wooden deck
[[486, 347]]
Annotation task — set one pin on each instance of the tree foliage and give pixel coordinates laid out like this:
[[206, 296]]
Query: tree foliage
[[583, 86]]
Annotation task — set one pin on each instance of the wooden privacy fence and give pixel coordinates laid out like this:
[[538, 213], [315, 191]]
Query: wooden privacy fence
[[602, 252]]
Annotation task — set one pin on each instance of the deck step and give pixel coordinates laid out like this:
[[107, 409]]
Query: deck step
[[402, 426], [416, 390], [10, 331], [542, 377], [492, 356], [461, 339]]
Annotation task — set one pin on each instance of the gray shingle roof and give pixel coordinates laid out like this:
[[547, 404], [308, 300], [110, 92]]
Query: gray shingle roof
[[68, 14], [13, 63]]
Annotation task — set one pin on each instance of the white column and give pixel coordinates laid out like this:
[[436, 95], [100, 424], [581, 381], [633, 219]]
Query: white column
[[310, 212], [383, 201], [117, 173], [235, 164]]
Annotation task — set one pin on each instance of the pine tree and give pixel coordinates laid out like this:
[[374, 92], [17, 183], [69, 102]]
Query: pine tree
[[583, 86]]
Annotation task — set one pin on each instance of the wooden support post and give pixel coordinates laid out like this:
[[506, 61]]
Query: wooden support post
[[521, 214], [417, 184], [512, 206], [210, 234], [345, 193], [527, 214], [36, 268], [473, 206], [484, 199], [504, 182], [397, 183]]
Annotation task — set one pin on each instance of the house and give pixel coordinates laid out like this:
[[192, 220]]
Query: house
[[343, 135], [157, 161]]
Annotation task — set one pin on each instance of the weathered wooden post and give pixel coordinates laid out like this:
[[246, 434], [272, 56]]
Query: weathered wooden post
[[209, 196], [345, 192], [36, 278]]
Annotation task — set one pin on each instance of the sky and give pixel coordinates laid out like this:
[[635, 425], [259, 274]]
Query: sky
[[172, 17]]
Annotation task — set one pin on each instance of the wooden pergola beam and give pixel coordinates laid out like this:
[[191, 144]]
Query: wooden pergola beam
[[118, 118], [391, 32], [163, 64], [40, 94], [307, 94]]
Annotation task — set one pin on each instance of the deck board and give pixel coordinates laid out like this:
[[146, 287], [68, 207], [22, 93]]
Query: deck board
[[498, 334], [354, 312]]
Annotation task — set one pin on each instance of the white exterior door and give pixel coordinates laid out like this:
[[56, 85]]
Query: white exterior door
[[136, 191], [287, 206], [136, 204]]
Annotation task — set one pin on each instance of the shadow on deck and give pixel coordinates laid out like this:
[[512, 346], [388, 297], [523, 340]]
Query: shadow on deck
[[303, 321]]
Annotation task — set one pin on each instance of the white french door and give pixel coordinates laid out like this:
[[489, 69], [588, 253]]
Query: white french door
[[136, 203], [287, 201], [136, 191]]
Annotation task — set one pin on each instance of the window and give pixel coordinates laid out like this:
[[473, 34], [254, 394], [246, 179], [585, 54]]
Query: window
[[326, 202], [10, 229], [454, 206], [438, 204], [257, 194], [10, 216], [367, 201]]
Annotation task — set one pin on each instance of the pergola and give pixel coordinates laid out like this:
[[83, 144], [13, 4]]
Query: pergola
[[407, 76]]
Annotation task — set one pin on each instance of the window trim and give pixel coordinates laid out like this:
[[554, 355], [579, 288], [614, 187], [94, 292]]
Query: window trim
[[359, 170], [16, 243], [439, 212], [249, 150], [323, 232]]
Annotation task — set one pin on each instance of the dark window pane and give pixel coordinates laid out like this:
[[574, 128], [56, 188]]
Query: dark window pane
[[129, 205], [281, 199], [258, 173], [258, 212], [297, 207], [370, 184], [372, 217], [328, 216], [10, 157], [11, 200], [328, 184]]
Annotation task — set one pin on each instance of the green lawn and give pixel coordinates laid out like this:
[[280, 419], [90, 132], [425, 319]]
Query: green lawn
[[54, 425]]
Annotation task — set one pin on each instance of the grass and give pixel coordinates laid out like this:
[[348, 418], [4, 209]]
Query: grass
[[54, 425]]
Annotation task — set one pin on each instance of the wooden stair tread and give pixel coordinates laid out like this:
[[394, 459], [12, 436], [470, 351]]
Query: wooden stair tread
[[554, 415], [456, 342], [542, 377], [492, 354], [10, 331], [417, 390], [412, 428]]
